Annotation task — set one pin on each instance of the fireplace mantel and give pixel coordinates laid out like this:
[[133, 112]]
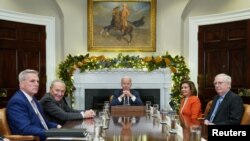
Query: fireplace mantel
[[111, 79]]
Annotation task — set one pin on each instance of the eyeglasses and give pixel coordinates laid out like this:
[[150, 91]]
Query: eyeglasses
[[219, 83]]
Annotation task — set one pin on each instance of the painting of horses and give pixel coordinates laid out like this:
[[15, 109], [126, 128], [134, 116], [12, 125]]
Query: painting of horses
[[118, 25]]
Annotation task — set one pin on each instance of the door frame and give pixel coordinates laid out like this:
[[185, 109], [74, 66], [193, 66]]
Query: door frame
[[191, 41], [49, 23]]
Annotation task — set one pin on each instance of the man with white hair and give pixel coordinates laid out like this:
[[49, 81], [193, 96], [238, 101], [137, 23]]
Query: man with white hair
[[126, 96], [56, 108], [25, 115], [227, 107]]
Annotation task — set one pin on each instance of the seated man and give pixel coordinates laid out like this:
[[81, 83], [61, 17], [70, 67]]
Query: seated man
[[126, 96], [24, 113], [56, 108], [227, 107]]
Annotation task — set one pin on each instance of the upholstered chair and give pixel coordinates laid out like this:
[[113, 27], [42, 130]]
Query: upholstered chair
[[246, 115], [5, 130], [208, 107]]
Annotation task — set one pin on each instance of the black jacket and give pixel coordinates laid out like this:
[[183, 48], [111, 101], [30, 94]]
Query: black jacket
[[58, 112]]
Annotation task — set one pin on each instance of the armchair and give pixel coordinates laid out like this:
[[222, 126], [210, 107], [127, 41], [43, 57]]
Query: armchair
[[246, 115], [208, 107], [5, 130]]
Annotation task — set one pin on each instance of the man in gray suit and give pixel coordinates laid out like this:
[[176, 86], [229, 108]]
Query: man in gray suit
[[56, 108], [227, 107]]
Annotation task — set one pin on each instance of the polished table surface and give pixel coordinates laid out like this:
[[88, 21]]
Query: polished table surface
[[138, 126], [141, 128]]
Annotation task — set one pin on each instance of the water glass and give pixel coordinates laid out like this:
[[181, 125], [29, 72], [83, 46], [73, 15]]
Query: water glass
[[155, 109], [148, 105], [101, 115], [105, 124], [106, 104], [195, 131], [173, 123], [98, 128], [106, 111], [164, 116]]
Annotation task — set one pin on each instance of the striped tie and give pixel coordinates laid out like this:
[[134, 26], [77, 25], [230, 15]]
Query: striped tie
[[39, 114]]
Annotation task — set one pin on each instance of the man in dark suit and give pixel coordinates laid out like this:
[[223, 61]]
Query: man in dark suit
[[227, 108], [24, 113], [126, 96], [56, 108]]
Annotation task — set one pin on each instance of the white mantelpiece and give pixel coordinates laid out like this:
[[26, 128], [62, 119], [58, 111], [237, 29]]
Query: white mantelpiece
[[111, 79]]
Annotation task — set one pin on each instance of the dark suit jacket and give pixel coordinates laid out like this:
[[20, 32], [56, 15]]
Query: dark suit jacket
[[23, 119], [58, 111], [230, 110], [117, 93]]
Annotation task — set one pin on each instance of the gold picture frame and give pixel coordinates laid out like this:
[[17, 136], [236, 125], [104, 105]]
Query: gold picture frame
[[108, 31]]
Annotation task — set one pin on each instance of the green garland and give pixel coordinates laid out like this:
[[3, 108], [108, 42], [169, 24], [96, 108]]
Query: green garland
[[85, 62]]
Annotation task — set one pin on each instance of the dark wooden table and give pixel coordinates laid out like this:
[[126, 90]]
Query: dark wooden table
[[143, 127], [135, 125]]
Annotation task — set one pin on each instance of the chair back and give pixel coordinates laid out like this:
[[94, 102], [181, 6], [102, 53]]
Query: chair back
[[246, 115], [110, 98], [208, 107], [4, 127]]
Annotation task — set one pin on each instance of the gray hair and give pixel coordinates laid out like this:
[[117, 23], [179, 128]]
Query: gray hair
[[126, 77], [55, 81], [23, 74], [226, 78]]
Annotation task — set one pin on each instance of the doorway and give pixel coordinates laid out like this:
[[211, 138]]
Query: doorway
[[22, 46], [223, 48]]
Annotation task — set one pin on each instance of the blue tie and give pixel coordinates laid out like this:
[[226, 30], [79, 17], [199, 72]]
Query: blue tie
[[218, 102]]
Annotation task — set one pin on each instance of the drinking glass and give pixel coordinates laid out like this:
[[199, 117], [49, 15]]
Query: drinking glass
[[106, 104], [173, 123], [195, 131], [164, 116], [155, 109], [98, 127], [148, 104], [106, 110], [101, 115], [105, 124]]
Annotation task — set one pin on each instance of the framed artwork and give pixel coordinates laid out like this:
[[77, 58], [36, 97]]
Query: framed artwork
[[121, 25]]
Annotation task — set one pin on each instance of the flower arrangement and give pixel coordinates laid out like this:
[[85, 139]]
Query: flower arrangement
[[86, 62]]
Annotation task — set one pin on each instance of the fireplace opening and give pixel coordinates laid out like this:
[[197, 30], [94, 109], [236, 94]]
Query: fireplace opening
[[94, 98]]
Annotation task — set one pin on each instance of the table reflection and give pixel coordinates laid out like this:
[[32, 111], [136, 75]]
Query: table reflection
[[186, 123], [137, 128]]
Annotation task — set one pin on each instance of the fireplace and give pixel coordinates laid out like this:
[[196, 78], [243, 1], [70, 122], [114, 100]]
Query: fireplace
[[94, 98], [154, 86]]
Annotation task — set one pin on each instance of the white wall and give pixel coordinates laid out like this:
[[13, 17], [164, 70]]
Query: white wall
[[71, 24], [172, 33], [168, 27], [208, 7]]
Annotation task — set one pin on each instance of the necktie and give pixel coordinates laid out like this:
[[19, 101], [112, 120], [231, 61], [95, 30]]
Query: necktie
[[218, 102], [126, 100], [39, 114]]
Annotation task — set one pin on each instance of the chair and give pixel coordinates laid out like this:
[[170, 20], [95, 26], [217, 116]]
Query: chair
[[208, 107], [5, 130], [110, 98], [246, 115]]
